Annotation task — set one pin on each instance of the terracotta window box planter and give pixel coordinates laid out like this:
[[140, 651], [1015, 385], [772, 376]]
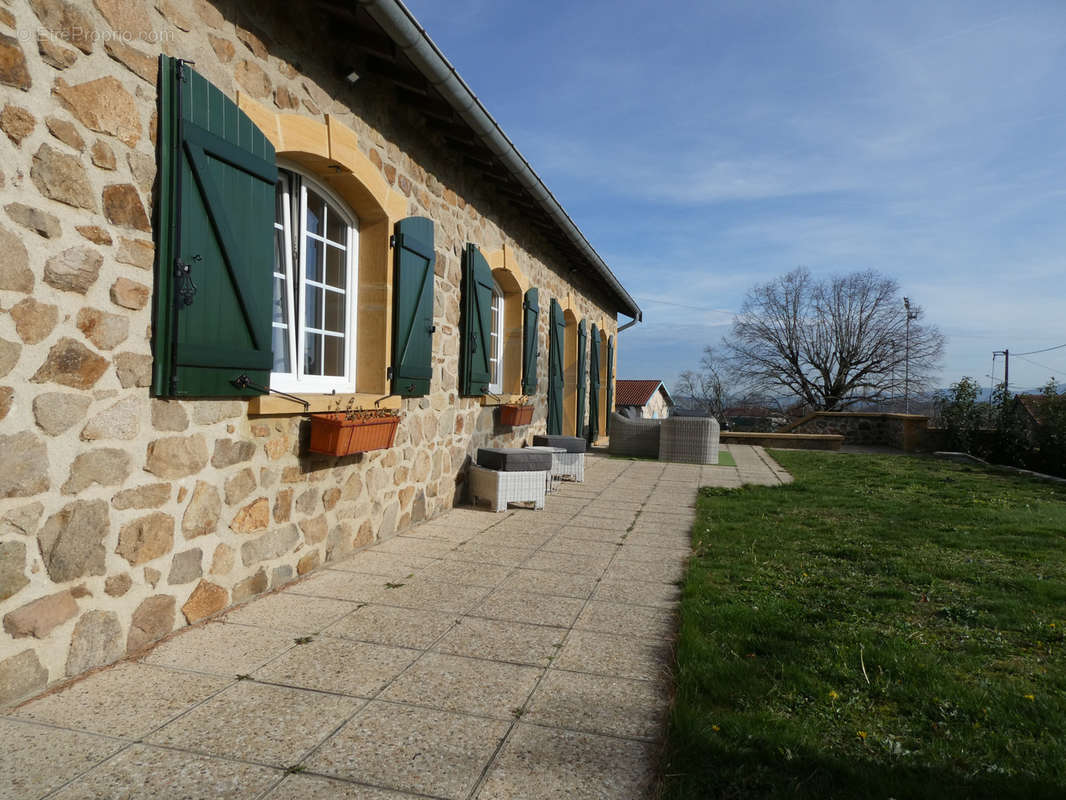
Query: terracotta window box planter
[[514, 414], [335, 434]]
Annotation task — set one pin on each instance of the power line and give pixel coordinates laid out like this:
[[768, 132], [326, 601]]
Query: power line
[[1042, 366], [682, 305], [1045, 350]]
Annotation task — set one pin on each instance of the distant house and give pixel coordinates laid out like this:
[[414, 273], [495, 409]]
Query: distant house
[[646, 399]]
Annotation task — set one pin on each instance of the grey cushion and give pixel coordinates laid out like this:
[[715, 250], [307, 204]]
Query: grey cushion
[[634, 437], [514, 459], [570, 444]]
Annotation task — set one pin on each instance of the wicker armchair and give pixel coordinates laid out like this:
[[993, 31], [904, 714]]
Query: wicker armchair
[[689, 440], [634, 437]]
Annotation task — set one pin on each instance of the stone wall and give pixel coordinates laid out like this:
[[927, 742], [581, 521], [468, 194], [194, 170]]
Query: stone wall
[[124, 517], [903, 431]]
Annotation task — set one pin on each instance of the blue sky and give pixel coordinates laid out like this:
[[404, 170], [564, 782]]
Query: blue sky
[[704, 147]]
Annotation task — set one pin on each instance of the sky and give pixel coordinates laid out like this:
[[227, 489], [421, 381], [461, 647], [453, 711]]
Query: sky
[[705, 147]]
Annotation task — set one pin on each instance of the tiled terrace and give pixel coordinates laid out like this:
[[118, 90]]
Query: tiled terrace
[[514, 655]]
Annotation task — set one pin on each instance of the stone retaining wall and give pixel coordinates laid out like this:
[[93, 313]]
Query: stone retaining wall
[[123, 517], [903, 431]]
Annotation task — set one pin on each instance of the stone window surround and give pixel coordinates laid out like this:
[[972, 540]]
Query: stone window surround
[[514, 284], [329, 151]]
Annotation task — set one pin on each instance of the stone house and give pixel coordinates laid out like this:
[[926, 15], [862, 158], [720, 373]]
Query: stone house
[[647, 399], [221, 217]]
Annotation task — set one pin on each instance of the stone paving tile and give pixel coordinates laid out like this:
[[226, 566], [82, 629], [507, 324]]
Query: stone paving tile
[[591, 534], [480, 553], [569, 563], [627, 620], [273, 725], [312, 787], [663, 571], [599, 704], [414, 749], [330, 664], [618, 656], [358, 587], [632, 551], [440, 533], [467, 573], [392, 625], [37, 759], [432, 595], [502, 641], [538, 609], [539, 763], [406, 545], [583, 547], [288, 611], [602, 523], [532, 580], [465, 685], [221, 649], [143, 771], [389, 565], [641, 593], [127, 701]]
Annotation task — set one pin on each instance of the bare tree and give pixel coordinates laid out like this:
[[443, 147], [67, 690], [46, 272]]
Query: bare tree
[[833, 342], [706, 386]]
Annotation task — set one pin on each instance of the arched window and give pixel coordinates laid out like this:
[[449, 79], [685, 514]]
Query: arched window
[[496, 337], [315, 246]]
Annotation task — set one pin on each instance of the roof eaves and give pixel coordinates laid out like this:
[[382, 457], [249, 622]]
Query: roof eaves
[[413, 40]]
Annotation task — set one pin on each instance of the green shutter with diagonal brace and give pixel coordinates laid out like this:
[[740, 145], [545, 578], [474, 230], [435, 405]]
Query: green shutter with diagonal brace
[[475, 372], [412, 339], [582, 350], [530, 341], [214, 241], [610, 384], [556, 334], [594, 385]]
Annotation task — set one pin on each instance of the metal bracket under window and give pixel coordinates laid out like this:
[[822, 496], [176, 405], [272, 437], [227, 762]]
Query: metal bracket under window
[[244, 382]]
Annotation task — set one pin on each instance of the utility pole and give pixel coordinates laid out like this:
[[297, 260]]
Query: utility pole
[[907, 357], [1006, 367]]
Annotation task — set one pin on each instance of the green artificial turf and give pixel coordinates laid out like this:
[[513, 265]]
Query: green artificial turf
[[885, 627]]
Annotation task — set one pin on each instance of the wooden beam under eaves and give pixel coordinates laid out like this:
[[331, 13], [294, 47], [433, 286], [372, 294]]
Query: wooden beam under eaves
[[407, 79]]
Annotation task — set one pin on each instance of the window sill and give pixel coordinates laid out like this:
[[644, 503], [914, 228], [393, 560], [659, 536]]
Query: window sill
[[504, 399], [318, 403]]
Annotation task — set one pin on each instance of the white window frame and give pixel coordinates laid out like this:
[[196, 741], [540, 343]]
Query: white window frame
[[496, 353], [297, 381]]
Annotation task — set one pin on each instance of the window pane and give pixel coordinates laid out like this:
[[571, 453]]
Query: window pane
[[279, 202], [333, 359], [336, 227], [312, 354], [313, 307], [316, 212], [281, 305], [313, 259], [336, 266], [281, 350], [334, 312]]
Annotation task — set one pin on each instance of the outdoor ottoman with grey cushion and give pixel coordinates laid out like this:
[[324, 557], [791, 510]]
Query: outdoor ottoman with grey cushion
[[505, 475], [570, 464]]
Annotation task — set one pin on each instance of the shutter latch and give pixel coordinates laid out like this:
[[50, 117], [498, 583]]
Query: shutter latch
[[186, 289]]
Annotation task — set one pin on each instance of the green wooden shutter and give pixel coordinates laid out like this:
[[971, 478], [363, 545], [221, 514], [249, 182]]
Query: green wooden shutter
[[412, 338], [475, 369], [610, 383], [530, 345], [594, 385], [582, 350], [215, 220], [556, 334]]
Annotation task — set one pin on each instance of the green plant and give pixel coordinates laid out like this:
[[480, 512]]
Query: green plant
[[960, 414]]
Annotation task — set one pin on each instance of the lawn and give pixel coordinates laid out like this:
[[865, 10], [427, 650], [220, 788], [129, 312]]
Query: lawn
[[884, 627]]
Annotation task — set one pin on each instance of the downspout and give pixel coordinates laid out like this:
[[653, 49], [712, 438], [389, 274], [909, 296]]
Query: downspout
[[638, 318], [412, 39]]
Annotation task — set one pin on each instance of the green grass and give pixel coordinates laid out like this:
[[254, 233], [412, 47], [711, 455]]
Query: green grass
[[883, 627]]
